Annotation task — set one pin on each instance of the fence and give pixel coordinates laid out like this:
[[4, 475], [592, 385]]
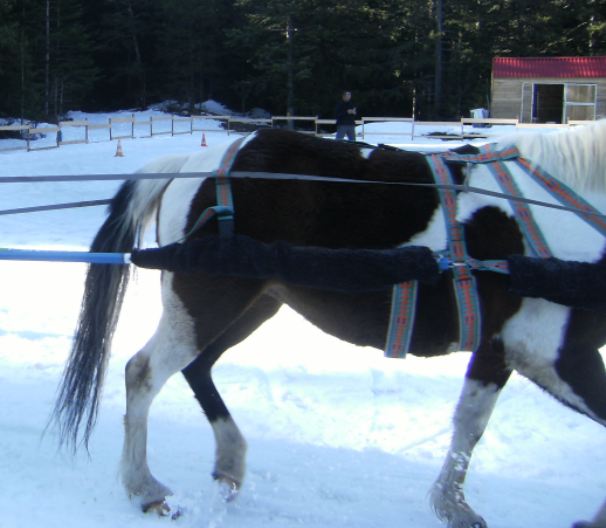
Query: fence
[[83, 131]]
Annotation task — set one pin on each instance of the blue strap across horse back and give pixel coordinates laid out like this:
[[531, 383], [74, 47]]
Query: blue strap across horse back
[[224, 210], [223, 189]]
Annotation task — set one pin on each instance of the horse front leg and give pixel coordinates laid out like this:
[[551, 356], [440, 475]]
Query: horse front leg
[[486, 376]]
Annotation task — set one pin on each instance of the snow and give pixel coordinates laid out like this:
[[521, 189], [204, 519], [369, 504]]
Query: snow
[[338, 435]]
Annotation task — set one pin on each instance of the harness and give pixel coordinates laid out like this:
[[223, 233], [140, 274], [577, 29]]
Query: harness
[[455, 257], [224, 210]]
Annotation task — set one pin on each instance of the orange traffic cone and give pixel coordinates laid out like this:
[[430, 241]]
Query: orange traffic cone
[[119, 153], [203, 143]]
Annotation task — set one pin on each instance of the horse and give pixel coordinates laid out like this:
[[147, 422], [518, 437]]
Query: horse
[[553, 345]]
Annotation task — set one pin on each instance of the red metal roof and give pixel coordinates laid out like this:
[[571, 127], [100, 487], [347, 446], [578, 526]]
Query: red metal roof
[[552, 67]]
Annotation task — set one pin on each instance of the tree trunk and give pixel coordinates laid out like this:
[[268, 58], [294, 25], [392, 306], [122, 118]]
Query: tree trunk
[[140, 70], [290, 84], [439, 66], [47, 59]]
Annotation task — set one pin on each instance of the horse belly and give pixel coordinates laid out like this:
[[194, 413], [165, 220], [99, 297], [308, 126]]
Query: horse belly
[[363, 318]]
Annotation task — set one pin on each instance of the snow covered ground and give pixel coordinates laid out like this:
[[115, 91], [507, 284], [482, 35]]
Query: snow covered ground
[[338, 436]]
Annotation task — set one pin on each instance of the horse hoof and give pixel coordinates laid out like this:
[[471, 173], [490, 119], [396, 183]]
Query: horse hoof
[[228, 487], [160, 507]]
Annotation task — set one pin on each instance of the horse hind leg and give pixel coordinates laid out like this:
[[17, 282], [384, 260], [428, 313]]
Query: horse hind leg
[[192, 319], [486, 376], [230, 453], [146, 373]]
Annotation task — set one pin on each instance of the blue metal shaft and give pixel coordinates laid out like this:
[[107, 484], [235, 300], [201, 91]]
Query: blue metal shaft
[[64, 256]]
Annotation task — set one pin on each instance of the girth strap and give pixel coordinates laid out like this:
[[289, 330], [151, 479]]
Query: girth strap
[[464, 282], [455, 258], [402, 319]]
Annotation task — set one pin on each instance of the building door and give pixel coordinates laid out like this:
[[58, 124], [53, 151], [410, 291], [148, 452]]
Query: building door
[[548, 103]]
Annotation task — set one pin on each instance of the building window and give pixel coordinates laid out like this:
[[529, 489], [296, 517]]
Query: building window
[[580, 102]]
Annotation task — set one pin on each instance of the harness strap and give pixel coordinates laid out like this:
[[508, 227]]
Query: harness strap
[[402, 319], [487, 154], [565, 195], [224, 210], [223, 189], [464, 282], [523, 215]]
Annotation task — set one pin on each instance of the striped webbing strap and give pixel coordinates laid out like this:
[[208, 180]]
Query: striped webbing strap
[[224, 210], [402, 319], [530, 230], [404, 295], [464, 282], [565, 195]]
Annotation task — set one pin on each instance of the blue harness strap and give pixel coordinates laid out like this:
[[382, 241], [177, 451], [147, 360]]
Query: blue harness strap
[[223, 189], [224, 210]]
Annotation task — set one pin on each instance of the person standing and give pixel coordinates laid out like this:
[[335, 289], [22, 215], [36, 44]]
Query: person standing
[[346, 117]]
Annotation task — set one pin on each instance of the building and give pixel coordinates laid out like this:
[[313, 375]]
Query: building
[[548, 89]]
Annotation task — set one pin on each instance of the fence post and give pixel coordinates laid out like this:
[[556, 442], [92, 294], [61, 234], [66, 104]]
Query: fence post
[[110, 129], [132, 127], [86, 130], [172, 125]]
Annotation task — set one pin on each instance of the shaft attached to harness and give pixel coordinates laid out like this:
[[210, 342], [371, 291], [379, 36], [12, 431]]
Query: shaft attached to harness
[[64, 256]]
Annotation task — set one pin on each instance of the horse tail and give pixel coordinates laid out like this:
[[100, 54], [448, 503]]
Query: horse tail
[[79, 393]]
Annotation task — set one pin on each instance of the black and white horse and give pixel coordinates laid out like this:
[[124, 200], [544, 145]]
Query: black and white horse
[[205, 314]]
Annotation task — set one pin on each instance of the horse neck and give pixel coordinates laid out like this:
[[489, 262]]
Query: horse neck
[[577, 157]]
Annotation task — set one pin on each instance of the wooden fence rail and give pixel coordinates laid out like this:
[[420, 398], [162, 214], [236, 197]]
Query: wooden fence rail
[[132, 127]]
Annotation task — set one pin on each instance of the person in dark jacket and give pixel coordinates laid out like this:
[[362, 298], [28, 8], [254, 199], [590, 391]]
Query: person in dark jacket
[[346, 118]]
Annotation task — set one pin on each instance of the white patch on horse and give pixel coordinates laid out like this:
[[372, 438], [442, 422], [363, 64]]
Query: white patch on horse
[[561, 230], [434, 237], [574, 155], [176, 204], [532, 339], [366, 152], [178, 196], [230, 452]]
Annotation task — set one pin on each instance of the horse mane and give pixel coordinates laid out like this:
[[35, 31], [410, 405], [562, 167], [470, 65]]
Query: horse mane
[[576, 156]]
